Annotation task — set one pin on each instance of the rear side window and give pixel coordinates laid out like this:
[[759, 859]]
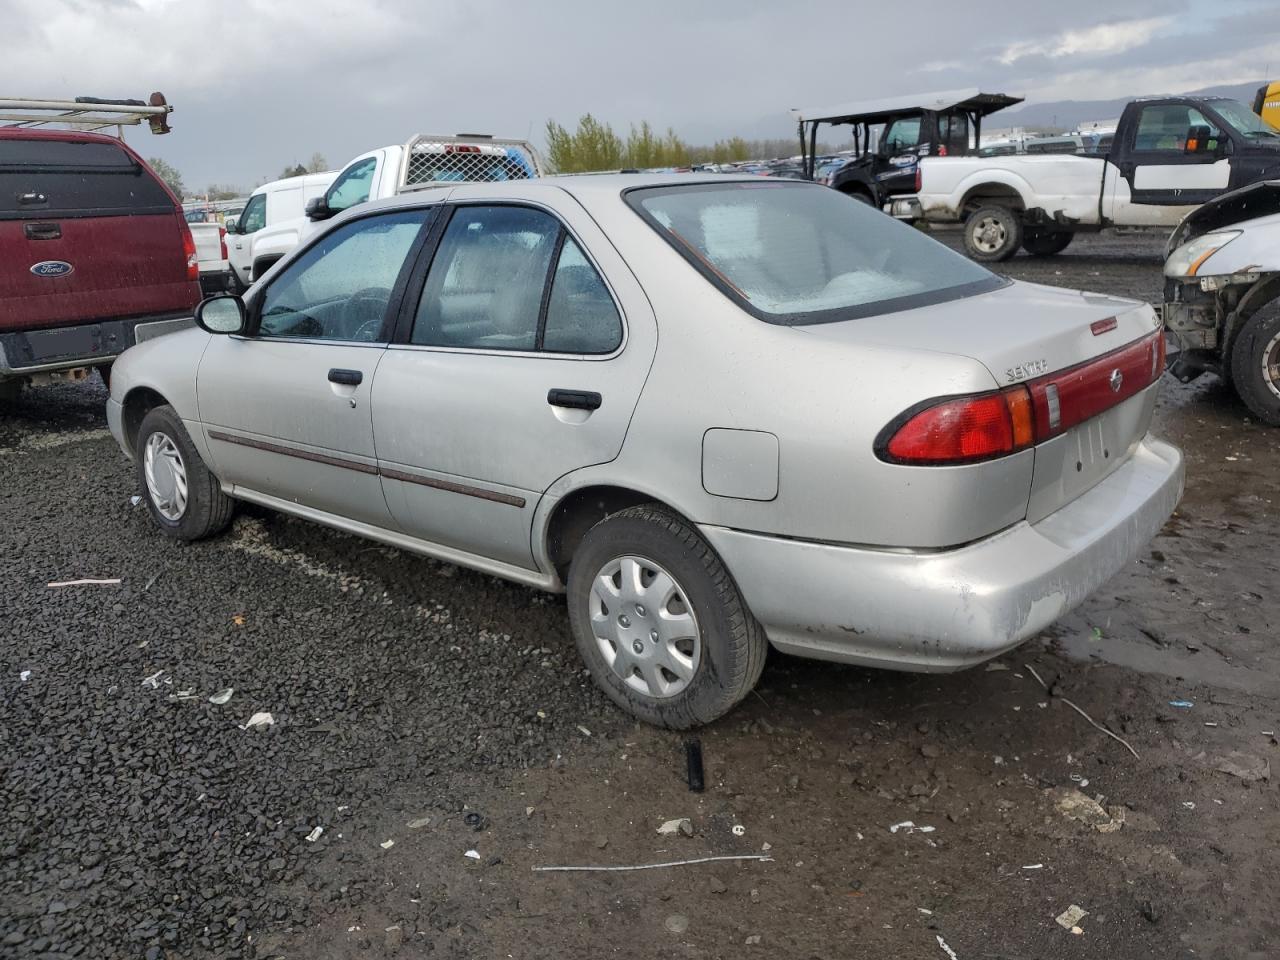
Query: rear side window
[[800, 253], [512, 278], [40, 179]]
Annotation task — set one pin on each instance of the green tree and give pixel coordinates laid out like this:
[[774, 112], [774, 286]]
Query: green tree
[[559, 148], [169, 174], [592, 146], [297, 170], [642, 147]]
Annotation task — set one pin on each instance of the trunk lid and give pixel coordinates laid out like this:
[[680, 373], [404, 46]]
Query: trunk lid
[[1085, 358], [87, 233]]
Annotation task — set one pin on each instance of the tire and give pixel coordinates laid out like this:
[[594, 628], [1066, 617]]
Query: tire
[[1255, 364], [11, 390], [992, 234], [861, 197], [720, 667], [1045, 243], [104, 373], [206, 510]]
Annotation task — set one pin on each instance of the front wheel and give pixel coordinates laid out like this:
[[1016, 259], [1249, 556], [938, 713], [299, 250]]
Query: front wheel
[[1255, 364], [1045, 243], [992, 234], [659, 620], [184, 497]]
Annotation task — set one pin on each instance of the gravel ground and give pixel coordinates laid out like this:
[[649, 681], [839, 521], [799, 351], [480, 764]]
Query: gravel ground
[[422, 711]]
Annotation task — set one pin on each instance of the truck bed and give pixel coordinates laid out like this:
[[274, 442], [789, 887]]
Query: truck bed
[[1062, 185]]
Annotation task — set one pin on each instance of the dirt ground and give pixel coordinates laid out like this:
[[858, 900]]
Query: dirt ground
[[424, 712]]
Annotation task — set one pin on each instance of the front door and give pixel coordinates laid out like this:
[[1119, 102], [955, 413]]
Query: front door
[[521, 362], [286, 410], [240, 251], [1172, 159]]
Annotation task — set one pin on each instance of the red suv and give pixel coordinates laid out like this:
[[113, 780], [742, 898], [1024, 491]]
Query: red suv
[[94, 250]]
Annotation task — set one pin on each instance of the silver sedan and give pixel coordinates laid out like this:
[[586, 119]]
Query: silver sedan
[[721, 414]]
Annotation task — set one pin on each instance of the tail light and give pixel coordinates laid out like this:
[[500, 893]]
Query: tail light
[[189, 248], [984, 426], [961, 430], [919, 178], [222, 243]]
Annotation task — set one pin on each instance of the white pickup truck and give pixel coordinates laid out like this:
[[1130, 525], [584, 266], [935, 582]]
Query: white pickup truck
[[424, 161], [1169, 155]]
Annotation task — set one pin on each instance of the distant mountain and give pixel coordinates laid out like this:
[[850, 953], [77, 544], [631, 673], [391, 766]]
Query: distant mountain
[[1069, 113]]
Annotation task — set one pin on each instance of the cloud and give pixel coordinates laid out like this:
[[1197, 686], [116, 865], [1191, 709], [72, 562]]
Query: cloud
[[1101, 40]]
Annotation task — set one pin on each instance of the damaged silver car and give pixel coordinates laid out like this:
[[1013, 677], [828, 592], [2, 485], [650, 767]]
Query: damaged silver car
[[721, 414]]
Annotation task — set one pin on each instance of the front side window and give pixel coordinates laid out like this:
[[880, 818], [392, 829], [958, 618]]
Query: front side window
[[1165, 128], [254, 217], [352, 186], [902, 134], [340, 288], [799, 253]]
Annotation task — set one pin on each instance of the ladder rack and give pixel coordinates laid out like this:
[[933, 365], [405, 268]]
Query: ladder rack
[[87, 113]]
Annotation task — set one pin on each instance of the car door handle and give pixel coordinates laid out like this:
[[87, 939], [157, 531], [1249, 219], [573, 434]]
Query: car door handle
[[352, 378], [574, 399]]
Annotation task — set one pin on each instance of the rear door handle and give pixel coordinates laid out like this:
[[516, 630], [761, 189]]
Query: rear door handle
[[352, 378], [574, 399], [42, 231]]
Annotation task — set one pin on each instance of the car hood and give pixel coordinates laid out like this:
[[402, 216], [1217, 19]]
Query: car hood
[[1257, 200], [1018, 332]]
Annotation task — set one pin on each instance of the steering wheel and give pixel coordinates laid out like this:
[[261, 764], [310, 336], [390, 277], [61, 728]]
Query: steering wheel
[[366, 309]]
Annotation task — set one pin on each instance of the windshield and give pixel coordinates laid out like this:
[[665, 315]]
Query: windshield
[[902, 134], [1244, 120], [796, 253]]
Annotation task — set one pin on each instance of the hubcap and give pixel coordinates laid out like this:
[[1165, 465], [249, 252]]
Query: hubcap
[[989, 235], [1271, 365], [166, 476], [644, 627]]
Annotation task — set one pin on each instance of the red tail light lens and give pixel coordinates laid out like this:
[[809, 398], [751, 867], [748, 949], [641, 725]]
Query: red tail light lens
[[984, 426], [919, 177], [222, 242], [963, 430], [189, 248]]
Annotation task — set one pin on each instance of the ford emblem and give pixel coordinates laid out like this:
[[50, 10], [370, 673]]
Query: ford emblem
[[52, 268], [1117, 378]]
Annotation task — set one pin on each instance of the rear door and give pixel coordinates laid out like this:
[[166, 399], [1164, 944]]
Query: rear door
[[521, 360], [286, 410], [87, 233], [1170, 158]]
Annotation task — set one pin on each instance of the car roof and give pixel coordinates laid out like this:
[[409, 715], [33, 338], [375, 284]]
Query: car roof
[[587, 188], [874, 110]]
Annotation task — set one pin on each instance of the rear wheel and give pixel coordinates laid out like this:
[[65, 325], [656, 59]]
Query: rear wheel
[[992, 234], [659, 620], [1255, 364], [1045, 243], [185, 499]]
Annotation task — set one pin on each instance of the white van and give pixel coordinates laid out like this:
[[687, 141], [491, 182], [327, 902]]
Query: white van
[[271, 204]]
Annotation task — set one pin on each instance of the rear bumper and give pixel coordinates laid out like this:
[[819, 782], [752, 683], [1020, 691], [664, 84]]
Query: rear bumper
[[27, 352], [216, 281], [948, 610]]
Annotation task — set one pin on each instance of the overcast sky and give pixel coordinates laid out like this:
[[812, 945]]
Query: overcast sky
[[258, 84]]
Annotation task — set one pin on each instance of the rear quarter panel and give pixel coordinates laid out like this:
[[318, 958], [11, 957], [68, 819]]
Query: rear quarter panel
[[1066, 184]]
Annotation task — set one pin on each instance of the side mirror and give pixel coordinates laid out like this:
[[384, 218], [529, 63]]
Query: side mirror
[[221, 314], [317, 208]]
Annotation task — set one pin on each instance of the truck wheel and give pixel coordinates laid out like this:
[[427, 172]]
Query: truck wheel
[[1045, 243], [11, 390], [659, 620], [992, 234], [185, 499], [1255, 364]]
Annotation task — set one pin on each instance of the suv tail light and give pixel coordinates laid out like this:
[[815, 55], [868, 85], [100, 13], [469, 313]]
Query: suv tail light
[[983, 426], [189, 248], [919, 177], [222, 243]]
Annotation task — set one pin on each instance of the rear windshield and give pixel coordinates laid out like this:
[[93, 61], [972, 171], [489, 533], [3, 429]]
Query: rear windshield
[[796, 253], [40, 179]]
